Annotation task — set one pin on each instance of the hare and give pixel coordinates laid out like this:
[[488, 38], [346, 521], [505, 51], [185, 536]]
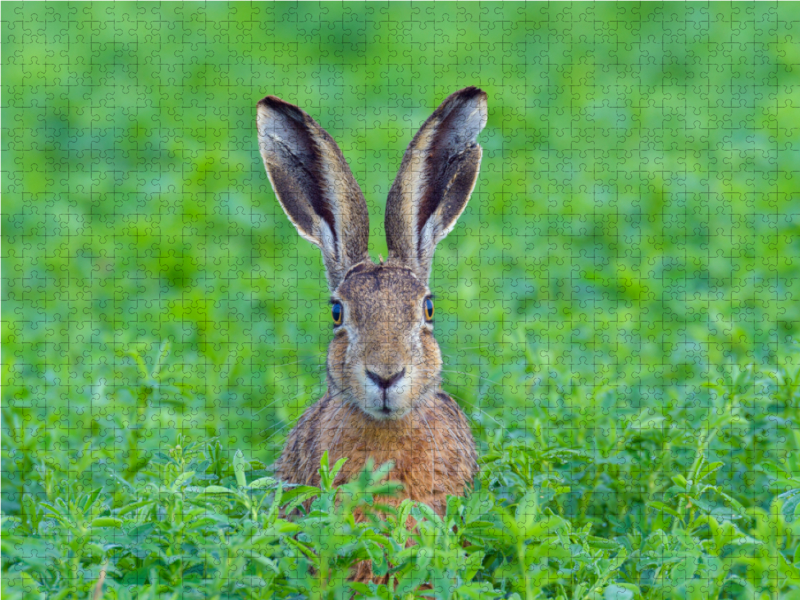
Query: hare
[[384, 399]]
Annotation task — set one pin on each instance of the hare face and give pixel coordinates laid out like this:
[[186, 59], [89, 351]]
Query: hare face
[[383, 358]]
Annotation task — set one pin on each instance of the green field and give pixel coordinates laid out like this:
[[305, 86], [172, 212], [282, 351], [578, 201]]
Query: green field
[[618, 307]]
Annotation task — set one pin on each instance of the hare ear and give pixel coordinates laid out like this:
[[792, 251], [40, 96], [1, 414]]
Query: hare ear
[[314, 185], [435, 180]]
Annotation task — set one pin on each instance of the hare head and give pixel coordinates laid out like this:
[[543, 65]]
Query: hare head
[[383, 358]]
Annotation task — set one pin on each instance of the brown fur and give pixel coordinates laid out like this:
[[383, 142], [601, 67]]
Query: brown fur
[[384, 400], [433, 450]]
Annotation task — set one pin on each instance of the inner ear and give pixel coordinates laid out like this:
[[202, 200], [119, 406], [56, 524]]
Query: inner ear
[[435, 180], [314, 185]]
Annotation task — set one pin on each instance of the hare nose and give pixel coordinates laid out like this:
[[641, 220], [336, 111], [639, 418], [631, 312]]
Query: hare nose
[[385, 382]]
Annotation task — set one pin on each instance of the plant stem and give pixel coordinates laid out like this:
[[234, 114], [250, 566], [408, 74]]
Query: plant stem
[[524, 568]]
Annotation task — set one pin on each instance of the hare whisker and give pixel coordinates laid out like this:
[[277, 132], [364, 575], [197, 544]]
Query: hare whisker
[[285, 425], [483, 377], [475, 406], [342, 410], [271, 404], [464, 348], [434, 454], [348, 408]]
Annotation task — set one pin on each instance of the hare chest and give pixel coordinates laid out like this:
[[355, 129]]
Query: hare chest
[[432, 448]]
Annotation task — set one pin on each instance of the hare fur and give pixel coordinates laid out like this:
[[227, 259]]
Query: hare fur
[[384, 399]]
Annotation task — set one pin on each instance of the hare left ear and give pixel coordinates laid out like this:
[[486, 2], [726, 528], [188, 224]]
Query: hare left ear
[[435, 180], [314, 185]]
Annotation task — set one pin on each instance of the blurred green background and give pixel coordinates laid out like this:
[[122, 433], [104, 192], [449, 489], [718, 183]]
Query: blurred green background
[[635, 226]]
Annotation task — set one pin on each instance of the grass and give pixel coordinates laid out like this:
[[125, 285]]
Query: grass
[[680, 501], [618, 307]]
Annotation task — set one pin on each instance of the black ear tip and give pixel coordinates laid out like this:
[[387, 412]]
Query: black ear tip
[[472, 91], [275, 104], [270, 101], [469, 93], [468, 98]]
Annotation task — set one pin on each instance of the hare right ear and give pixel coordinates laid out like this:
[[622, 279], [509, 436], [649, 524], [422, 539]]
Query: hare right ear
[[435, 180], [314, 185]]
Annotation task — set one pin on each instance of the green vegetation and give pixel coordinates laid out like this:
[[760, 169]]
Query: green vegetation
[[618, 308], [679, 502]]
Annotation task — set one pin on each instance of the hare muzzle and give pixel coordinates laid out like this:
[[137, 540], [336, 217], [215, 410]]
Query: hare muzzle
[[389, 388]]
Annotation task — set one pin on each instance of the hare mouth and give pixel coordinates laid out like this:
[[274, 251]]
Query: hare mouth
[[387, 414], [384, 404]]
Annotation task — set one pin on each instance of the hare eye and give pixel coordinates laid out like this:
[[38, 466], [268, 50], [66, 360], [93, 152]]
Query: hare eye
[[428, 309], [337, 313]]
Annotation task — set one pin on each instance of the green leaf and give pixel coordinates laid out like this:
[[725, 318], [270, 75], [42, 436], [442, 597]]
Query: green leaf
[[361, 588], [217, 489], [664, 508], [680, 481], [510, 527], [707, 470], [337, 467], [527, 508], [296, 495], [132, 507], [263, 560], [602, 543], [239, 467], [106, 522], [264, 482], [303, 549], [645, 421], [89, 499], [734, 504], [773, 470], [182, 480], [617, 592], [56, 511], [537, 527], [791, 502]]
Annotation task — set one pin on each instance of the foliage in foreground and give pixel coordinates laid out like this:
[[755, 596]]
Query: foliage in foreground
[[655, 510]]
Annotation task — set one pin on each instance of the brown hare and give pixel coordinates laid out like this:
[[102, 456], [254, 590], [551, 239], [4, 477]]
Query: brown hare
[[384, 399]]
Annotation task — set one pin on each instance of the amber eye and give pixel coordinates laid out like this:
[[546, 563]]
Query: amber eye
[[428, 309], [337, 312]]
